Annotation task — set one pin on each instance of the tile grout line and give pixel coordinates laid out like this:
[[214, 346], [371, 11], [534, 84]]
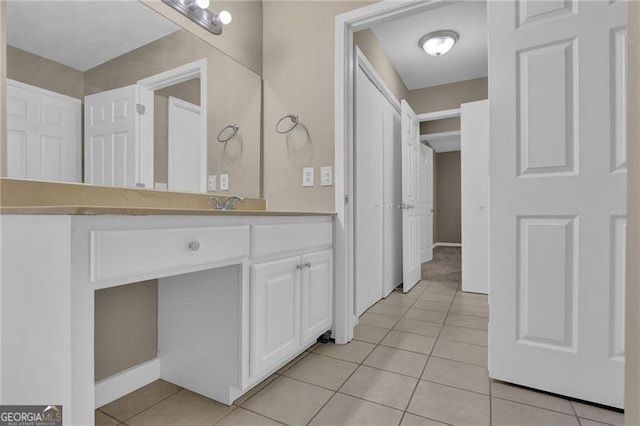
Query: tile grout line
[[149, 407]]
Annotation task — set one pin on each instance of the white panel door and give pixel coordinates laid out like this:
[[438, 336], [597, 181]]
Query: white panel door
[[187, 148], [317, 295], [43, 134], [411, 270], [368, 193], [474, 158], [275, 313], [557, 196], [112, 138], [425, 203]]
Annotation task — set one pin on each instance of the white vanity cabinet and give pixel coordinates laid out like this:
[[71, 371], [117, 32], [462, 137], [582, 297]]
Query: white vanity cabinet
[[238, 297], [291, 305]]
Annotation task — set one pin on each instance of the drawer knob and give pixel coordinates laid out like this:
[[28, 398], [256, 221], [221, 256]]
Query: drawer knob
[[194, 245], [307, 265], [300, 267]]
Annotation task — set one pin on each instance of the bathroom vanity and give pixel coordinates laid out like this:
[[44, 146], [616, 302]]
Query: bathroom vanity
[[240, 293]]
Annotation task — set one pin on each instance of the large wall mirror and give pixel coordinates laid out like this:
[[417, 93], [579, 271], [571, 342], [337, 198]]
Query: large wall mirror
[[113, 93]]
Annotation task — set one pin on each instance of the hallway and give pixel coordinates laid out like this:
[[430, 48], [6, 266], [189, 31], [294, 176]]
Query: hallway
[[416, 359]]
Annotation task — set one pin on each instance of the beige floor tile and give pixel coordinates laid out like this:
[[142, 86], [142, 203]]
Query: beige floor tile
[[425, 315], [454, 285], [465, 299], [242, 417], [457, 374], [470, 295], [255, 390], [475, 311], [289, 401], [397, 361], [478, 323], [292, 362], [409, 341], [414, 293], [102, 419], [463, 352], [464, 335], [413, 420], [398, 299], [530, 397], [353, 351], [386, 309], [435, 297], [450, 405], [423, 328], [507, 413], [377, 320], [347, 410], [432, 306], [383, 387], [439, 290], [598, 414], [322, 371], [587, 422], [139, 400], [367, 333], [184, 408]]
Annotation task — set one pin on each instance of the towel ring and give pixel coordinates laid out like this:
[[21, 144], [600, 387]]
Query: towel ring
[[233, 127], [294, 123]]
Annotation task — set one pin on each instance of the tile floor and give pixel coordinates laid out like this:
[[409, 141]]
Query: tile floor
[[416, 359]]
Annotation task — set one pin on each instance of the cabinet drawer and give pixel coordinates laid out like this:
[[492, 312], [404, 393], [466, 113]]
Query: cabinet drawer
[[291, 238], [145, 252]]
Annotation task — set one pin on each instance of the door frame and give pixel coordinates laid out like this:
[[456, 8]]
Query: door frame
[[186, 72]]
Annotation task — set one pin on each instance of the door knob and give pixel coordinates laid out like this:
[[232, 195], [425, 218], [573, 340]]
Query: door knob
[[307, 265], [194, 245]]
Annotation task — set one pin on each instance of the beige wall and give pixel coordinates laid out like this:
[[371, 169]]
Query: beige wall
[[448, 96], [126, 327], [41, 72], [241, 40], [439, 126], [447, 192], [233, 98], [632, 324], [370, 46], [298, 74]]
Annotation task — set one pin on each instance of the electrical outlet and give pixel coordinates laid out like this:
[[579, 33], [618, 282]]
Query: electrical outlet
[[212, 183], [326, 176], [307, 176], [224, 182]]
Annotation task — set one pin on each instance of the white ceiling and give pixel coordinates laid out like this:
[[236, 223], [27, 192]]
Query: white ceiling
[[443, 142], [467, 60], [83, 34]]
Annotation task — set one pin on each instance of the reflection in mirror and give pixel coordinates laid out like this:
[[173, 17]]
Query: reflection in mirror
[[113, 93]]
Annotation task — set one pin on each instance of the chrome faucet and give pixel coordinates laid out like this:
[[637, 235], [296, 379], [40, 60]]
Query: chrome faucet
[[228, 204]]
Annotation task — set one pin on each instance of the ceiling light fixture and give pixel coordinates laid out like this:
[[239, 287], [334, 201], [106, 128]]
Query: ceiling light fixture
[[198, 12], [438, 43]]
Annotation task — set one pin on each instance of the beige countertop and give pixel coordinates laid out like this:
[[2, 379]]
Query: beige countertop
[[19, 196]]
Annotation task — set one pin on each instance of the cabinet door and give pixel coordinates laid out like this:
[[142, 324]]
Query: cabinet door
[[275, 313], [317, 295]]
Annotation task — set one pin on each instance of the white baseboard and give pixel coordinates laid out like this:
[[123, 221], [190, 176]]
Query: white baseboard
[[119, 385], [447, 245]]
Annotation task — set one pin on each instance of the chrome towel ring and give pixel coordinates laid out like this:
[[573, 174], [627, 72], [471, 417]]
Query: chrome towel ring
[[293, 125], [234, 130]]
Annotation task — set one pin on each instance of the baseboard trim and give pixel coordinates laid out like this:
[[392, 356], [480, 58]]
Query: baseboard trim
[[120, 384], [447, 245]]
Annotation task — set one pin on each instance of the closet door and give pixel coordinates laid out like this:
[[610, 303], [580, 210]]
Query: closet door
[[368, 193]]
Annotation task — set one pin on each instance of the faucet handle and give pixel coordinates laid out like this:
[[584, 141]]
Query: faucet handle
[[216, 203], [230, 204]]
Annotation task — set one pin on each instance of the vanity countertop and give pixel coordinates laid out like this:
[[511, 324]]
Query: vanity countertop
[[18, 196]]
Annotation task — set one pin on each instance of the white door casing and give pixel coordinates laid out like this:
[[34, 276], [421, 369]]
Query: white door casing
[[425, 204], [112, 138], [43, 134], [186, 147], [411, 269], [474, 157], [557, 196]]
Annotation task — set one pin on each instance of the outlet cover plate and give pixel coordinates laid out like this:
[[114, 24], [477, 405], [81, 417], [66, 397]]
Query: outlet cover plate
[[307, 176], [224, 182]]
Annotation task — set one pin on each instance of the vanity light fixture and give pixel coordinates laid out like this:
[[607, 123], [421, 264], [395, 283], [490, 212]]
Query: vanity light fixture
[[198, 12], [438, 43]]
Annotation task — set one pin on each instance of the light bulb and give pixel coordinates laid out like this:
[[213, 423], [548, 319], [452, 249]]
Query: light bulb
[[438, 43], [225, 17], [202, 4]]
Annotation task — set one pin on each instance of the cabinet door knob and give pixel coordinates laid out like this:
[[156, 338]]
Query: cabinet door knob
[[194, 245], [300, 267], [307, 265]]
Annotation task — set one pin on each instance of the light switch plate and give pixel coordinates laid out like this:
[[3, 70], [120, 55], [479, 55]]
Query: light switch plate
[[224, 182], [212, 183], [326, 176], [307, 176]]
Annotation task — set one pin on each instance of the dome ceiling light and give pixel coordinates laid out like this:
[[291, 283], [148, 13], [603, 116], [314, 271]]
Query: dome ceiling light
[[438, 43]]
